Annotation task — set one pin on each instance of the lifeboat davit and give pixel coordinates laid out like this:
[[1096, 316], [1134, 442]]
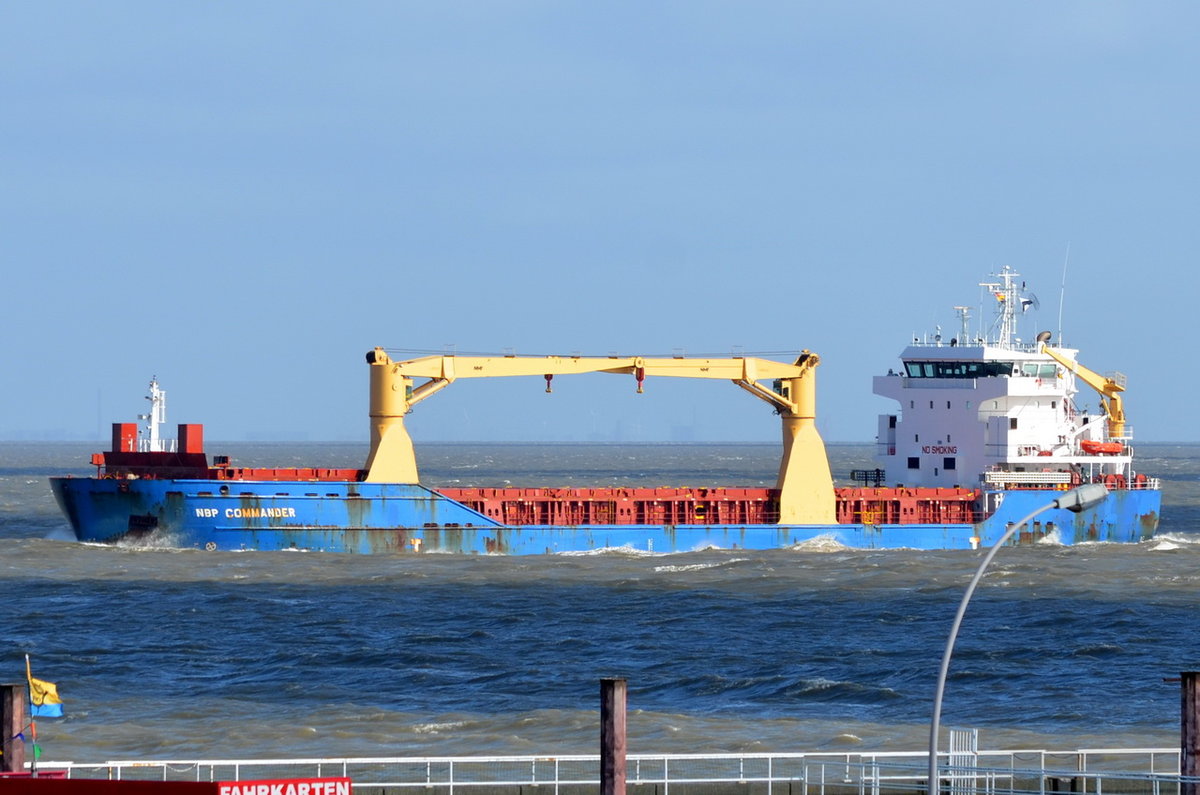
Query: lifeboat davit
[[1102, 448]]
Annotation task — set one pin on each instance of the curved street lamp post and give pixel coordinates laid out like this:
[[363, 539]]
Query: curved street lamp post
[[1075, 500]]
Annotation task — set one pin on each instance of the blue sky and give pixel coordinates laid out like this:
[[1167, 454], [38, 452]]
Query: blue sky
[[244, 198]]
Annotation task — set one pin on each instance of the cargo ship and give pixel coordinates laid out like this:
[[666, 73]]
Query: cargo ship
[[986, 430]]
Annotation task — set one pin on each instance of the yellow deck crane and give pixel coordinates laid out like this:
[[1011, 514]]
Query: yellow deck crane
[[805, 485], [1108, 388]]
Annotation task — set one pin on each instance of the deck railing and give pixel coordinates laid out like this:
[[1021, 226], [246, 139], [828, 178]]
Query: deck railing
[[1045, 772]]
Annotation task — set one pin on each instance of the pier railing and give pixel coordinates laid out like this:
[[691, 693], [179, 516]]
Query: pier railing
[[1042, 772]]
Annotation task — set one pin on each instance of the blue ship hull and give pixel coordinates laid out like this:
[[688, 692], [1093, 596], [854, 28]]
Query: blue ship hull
[[375, 518]]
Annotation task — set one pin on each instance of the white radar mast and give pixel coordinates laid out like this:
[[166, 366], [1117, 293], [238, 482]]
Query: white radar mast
[[1008, 298], [152, 443]]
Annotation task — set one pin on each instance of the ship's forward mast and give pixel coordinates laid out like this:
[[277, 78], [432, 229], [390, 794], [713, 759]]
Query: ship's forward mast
[[152, 441], [805, 483]]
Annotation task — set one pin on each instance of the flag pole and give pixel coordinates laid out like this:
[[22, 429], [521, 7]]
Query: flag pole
[[32, 723]]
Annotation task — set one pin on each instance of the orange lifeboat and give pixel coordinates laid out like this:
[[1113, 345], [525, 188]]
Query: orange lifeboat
[[1101, 448]]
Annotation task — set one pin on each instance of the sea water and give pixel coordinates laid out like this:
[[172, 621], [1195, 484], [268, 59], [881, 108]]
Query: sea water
[[162, 653]]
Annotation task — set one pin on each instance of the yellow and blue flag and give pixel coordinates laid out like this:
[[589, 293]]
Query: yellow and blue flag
[[43, 696]]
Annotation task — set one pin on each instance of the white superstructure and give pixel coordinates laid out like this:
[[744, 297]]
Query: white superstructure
[[989, 409]]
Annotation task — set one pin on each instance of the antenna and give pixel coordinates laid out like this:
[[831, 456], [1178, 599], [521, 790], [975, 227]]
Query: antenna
[[1063, 291], [964, 314]]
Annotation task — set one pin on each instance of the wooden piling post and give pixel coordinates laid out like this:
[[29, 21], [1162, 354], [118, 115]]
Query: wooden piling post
[[1189, 734], [12, 722], [612, 736]]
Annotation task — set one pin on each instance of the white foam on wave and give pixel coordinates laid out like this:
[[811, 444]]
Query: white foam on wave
[[626, 551], [1167, 542], [689, 567], [437, 728], [822, 684], [1051, 539], [822, 543], [153, 542]]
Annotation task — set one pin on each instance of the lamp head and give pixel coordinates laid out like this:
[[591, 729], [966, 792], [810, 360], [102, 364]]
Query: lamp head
[[1079, 499]]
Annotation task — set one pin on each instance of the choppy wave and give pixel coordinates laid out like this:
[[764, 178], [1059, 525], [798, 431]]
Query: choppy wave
[[1171, 541], [822, 543]]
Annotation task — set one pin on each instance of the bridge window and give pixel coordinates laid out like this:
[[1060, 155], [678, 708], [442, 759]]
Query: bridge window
[[960, 369]]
